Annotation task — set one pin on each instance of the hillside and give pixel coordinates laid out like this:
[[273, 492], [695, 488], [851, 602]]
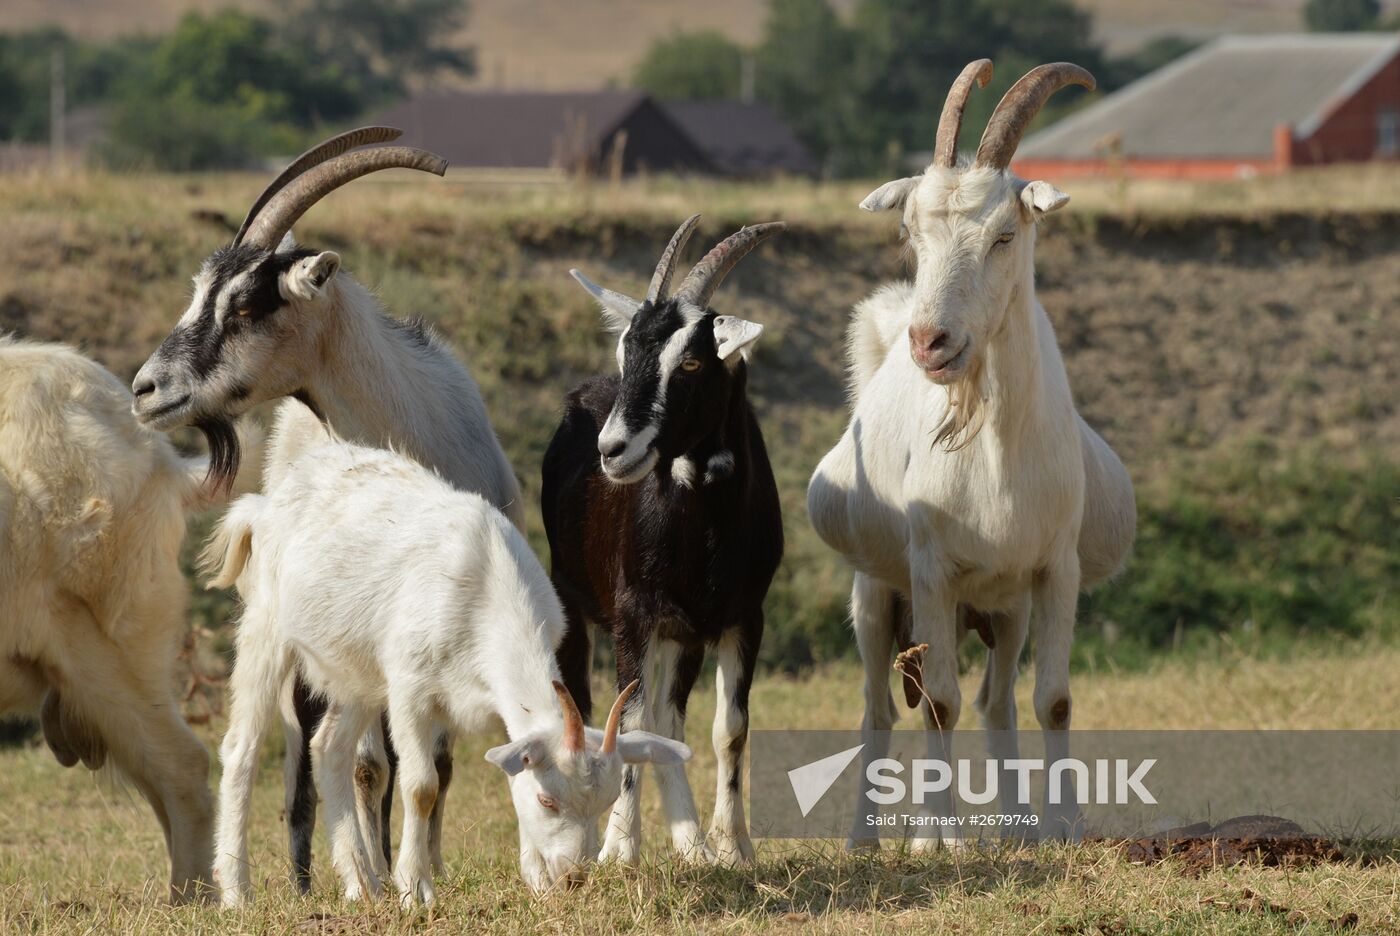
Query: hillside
[[1245, 366], [566, 44]]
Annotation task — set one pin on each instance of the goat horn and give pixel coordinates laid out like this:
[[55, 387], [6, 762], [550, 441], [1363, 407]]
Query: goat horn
[[573, 721], [661, 279], [945, 147], [615, 716], [705, 277], [1019, 107], [288, 205], [314, 157]]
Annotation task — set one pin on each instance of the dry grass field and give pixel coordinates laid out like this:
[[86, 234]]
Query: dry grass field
[[1198, 322], [76, 857]]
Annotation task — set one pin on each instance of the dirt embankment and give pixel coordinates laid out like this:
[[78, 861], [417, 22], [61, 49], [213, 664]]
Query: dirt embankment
[[1177, 333]]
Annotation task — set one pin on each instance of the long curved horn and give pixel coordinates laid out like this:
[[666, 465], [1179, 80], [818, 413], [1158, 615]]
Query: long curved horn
[[1019, 107], [573, 721], [318, 154], [615, 717], [704, 278], [661, 279], [945, 147], [288, 205]]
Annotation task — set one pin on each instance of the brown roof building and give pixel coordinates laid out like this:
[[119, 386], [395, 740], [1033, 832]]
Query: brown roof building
[[587, 131], [743, 139]]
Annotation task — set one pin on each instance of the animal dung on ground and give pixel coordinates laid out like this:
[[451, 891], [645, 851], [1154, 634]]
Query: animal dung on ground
[[1270, 841]]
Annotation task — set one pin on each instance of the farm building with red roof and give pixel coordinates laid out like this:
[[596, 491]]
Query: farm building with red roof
[[1239, 106]]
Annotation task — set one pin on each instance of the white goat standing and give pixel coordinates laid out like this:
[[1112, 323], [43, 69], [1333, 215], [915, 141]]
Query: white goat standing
[[92, 599], [390, 589], [966, 482], [269, 319]]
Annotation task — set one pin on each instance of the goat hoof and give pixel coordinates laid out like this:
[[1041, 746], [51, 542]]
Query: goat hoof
[[926, 845], [421, 892], [697, 853], [733, 851], [616, 851]]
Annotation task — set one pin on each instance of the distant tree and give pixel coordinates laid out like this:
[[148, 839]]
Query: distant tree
[[13, 109], [863, 96], [905, 54], [688, 66], [217, 92], [236, 59], [91, 71], [801, 70], [909, 51], [1341, 15], [377, 48]]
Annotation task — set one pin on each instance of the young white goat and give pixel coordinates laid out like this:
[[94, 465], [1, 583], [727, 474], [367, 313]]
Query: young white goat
[[391, 590], [92, 600], [966, 483]]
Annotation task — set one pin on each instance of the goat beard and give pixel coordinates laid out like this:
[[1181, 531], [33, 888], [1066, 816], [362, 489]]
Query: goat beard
[[966, 415], [224, 453]]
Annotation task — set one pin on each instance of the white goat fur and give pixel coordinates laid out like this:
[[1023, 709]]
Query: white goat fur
[[92, 599], [377, 382], [1012, 512], [392, 590]]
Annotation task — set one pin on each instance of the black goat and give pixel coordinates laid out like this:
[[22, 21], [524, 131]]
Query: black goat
[[669, 541]]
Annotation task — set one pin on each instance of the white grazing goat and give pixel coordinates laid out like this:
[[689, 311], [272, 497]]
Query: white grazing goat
[[966, 484], [391, 590], [92, 600]]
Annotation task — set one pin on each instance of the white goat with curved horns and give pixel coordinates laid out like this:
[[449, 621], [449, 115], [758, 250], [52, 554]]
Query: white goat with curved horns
[[966, 484], [270, 320], [388, 588]]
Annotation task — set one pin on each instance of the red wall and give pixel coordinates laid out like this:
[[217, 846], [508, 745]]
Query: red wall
[[1348, 133]]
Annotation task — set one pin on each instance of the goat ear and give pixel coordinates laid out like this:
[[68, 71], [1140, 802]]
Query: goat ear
[[1041, 198], [516, 756], [643, 747], [309, 276], [890, 195], [617, 308], [734, 334]]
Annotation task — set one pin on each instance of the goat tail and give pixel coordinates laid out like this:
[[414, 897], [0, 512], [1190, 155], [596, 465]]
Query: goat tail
[[231, 546]]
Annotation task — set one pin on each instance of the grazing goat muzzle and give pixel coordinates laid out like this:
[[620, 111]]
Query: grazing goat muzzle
[[563, 780]]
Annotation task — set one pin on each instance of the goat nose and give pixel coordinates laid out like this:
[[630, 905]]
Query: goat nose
[[143, 385], [612, 447], [928, 339]]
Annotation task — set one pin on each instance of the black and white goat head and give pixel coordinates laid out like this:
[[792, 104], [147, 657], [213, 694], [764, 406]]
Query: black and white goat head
[[255, 318], [679, 363]]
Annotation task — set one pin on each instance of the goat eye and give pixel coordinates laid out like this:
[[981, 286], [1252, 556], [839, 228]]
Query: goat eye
[[546, 801], [690, 365], [244, 313], [1006, 238]]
